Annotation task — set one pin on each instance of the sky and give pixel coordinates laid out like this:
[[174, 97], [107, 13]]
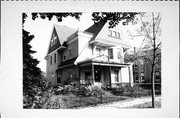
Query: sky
[[42, 29]]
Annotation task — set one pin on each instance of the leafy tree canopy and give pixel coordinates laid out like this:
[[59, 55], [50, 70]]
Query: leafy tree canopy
[[98, 17]]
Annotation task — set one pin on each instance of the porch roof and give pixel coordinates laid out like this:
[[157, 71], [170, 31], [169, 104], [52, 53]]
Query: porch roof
[[102, 63], [67, 63]]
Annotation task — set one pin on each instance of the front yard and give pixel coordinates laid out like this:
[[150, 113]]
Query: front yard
[[70, 98]]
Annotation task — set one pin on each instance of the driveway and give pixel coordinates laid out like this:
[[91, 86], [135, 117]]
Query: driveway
[[125, 103]]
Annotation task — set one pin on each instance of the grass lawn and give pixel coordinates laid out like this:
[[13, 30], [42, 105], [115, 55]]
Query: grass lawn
[[147, 105]]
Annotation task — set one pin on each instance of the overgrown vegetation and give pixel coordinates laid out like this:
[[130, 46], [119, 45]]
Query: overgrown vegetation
[[69, 96]]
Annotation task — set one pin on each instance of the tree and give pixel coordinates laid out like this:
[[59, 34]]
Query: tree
[[33, 82], [114, 18], [151, 31], [98, 17]]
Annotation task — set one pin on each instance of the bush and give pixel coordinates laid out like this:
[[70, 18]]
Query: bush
[[35, 95], [118, 90], [127, 89], [82, 90], [95, 91]]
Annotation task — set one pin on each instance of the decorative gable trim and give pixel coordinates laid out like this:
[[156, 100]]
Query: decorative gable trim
[[54, 43]]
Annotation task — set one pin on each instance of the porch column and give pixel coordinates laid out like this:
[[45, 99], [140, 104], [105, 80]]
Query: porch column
[[130, 75], [94, 49], [79, 74], [92, 73], [110, 77]]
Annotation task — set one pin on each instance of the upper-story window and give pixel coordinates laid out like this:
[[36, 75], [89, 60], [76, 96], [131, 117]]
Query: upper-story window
[[55, 58], [98, 51], [114, 34], [110, 53], [53, 40], [50, 60], [64, 57], [119, 54], [70, 53]]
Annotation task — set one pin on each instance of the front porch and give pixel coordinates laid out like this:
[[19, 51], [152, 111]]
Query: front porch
[[104, 74]]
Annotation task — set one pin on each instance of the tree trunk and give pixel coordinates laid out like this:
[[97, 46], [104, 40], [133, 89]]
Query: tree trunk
[[153, 86], [153, 64]]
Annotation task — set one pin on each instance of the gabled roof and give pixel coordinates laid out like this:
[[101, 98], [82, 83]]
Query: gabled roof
[[95, 29], [63, 32], [100, 34]]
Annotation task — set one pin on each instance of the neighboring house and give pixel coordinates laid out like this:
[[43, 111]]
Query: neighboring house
[[142, 68], [95, 56]]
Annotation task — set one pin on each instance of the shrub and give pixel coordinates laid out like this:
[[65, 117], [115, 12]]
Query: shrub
[[127, 89], [35, 95], [118, 90], [95, 91], [82, 91]]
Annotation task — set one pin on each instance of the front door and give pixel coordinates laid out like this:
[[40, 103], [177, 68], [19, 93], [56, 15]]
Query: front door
[[88, 77], [97, 76]]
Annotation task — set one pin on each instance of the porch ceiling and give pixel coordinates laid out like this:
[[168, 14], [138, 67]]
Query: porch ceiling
[[103, 64], [102, 44]]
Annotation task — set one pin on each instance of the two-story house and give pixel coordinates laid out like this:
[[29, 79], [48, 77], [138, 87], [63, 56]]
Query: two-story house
[[94, 56]]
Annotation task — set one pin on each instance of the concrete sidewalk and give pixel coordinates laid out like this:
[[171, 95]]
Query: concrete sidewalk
[[125, 103]]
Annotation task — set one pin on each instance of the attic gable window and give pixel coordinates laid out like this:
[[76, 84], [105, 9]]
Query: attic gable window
[[53, 40], [114, 34]]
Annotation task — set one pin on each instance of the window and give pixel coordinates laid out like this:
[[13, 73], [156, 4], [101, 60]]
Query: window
[[110, 53], [53, 40], [116, 76], [158, 78], [142, 77], [98, 51], [50, 60], [110, 33], [55, 58], [119, 55], [118, 35], [70, 53], [64, 57], [114, 34]]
